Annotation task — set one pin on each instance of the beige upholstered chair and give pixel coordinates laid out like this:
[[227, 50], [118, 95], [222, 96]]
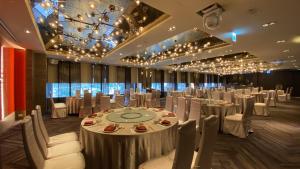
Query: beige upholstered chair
[[255, 90], [289, 94], [57, 139], [54, 151], [149, 100], [105, 103], [262, 109], [181, 157], [215, 95], [282, 97], [97, 107], [272, 94], [197, 114], [87, 108], [59, 110], [240, 124], [228, 97], [181, 111], [247, 91], [169, 103], [119, 101], [35, 157], [203, 158]]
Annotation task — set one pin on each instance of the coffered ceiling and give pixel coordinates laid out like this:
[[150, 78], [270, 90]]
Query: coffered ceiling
[[265, 29]]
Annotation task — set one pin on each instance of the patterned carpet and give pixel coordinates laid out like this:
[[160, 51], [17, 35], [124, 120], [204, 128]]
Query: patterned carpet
[[275, 143]]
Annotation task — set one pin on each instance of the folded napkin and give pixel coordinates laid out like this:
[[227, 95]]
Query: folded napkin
[[110, 128], [165, 122], [88, 123], [140, 128]]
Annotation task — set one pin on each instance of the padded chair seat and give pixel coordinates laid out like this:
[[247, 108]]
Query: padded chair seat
[[71, 161], [63, 149], [260, 104], [235, 117], [163, 162], [60, 105], [62, 138]]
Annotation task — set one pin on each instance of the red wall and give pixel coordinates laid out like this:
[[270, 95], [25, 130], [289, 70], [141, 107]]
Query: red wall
[[14, 81]]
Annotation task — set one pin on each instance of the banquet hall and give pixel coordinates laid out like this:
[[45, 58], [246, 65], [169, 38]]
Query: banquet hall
[[149, 84]]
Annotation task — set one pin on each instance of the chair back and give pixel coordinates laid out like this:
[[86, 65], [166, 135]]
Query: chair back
[[181, 109], [228, 97], [104, 103], [31, 147], [247, 91], [185, 145], [169, 103], [249, 109], [98, 96], [119, 101], [41, 123], [87, 100], [77, 94], [195, 110], [255, 90], [38, 134], [215, 95], [291, 90], [148, 96], [207, 142]]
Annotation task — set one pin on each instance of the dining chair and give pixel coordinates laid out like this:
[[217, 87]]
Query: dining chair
[[282, 96], [181, 157], [104, 103], [97, 107], [87, 108], [54, 151], [57, 139], [290, 93], [228, 97], [119, 101], [262, 109], [58, 110], [77, 94], [215, 95], [203, 158], [196, 114], [35, 156], [181, 110], [255, 90], [157, 98], [169, 103], [272, 94], [148, 100], [240, 124]]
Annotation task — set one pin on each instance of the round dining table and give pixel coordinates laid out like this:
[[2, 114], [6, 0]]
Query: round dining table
[[125, 147]]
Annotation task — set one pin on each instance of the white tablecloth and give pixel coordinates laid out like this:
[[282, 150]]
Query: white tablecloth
[[126, 149]]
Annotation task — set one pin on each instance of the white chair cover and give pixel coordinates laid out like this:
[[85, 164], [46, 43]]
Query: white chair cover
[[55, 151], [228, 97], [208, 139], [35, 157], [247, 91], [59, 110], [255, 90], [57, 139], [181, 158], [262, 109], [181, 110], [87, 107], [169, 103], [105, 103], [148, 100], [239, 124], [119, 101], [215, 95], [77, 94]]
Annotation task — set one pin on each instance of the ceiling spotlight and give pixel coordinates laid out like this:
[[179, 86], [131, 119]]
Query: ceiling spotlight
[[137, 2], [92, 6], [296, 39], [27, 31], [280, 41], [286, 51], [172, 28], [268, 24]]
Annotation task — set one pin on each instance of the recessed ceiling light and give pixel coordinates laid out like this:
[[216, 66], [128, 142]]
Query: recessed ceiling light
[[27, 31], [268, 24], [121, 54], [280, 41], [286, 51], [172, 28], [290, 56]]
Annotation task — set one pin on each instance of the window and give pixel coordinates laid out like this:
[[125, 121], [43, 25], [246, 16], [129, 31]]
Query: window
[[169, 86], [181, 86], [156, 86]]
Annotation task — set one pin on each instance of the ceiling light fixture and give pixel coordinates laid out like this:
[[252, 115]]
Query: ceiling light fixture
[[280, 41], [27, 31], [172, 28], [268, 24], [286, 51], [296, 39]]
